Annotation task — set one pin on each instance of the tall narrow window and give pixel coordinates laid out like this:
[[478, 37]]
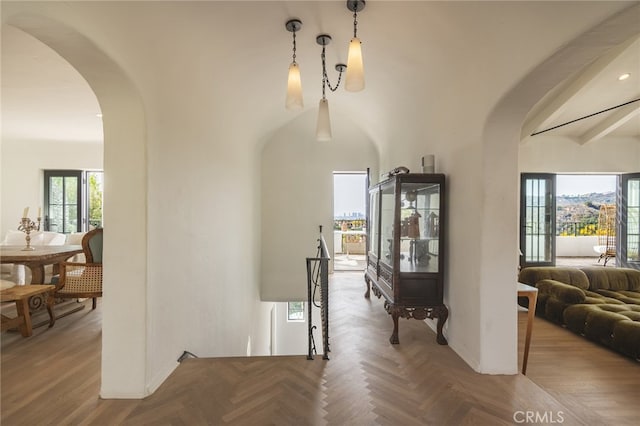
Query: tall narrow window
[[629, 220], [94, 188], [63, 201], [537, 220]]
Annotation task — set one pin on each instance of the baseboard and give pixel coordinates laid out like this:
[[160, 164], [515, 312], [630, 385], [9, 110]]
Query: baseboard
[[471, 362], [120, 395], [159, 378], [150, 388]]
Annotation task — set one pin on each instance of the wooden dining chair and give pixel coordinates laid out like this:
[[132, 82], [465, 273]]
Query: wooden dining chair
[[82, 280]]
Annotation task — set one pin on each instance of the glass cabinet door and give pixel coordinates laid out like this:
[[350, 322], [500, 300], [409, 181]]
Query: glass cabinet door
[[374, 244], [387, 209], [419, 227]]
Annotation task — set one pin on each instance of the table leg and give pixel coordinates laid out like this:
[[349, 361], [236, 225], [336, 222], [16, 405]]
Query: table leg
[[37, 272], [22, 306], [530, 317]]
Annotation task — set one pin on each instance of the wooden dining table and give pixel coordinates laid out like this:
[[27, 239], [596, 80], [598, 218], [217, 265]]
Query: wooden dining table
[[38, 258]]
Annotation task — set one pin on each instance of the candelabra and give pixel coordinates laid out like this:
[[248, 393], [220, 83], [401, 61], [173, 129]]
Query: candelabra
[[26, 226]]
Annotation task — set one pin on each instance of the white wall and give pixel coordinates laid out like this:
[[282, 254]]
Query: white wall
[[577, 246], [292, 336], [562, 155], [21, 178], [297, 188]]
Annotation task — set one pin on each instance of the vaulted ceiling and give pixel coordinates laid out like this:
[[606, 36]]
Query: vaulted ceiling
[[602, 100], [44, 98]]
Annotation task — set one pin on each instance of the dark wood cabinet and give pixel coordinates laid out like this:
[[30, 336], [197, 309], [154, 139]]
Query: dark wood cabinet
[[406, 237]]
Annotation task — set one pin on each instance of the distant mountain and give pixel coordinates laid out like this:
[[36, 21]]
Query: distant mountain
[[350, 216], [596, 198]]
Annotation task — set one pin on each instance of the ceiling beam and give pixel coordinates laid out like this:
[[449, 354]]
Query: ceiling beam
[[608, 125], [554, 106]]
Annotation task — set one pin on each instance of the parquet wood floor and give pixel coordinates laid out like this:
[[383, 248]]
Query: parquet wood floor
[[53, 378], [581, 373]]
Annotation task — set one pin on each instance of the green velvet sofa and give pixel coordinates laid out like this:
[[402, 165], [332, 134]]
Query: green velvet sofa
[[602, 304]]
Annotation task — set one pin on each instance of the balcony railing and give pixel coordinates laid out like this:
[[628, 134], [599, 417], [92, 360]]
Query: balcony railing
[[576, 229]]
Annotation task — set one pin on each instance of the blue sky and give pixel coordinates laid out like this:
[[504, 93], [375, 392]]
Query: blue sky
[[349, 193], [584, 184]]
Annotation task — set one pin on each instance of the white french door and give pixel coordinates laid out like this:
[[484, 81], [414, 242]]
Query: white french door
[[537, 219], [628, 200]]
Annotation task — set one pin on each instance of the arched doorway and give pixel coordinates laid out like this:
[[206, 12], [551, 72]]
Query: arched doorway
[[124, 303], [501, 138]]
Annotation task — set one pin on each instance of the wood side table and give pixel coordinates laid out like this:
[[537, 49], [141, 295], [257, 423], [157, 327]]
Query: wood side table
[[531, 293], [21, 294]]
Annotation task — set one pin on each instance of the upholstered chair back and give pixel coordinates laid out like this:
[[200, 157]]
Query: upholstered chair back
[[92, 246]]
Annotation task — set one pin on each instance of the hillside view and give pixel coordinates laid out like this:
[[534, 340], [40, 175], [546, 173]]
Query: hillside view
[[578, 214]]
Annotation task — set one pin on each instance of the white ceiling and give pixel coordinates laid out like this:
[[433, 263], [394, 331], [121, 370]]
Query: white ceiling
[[596, 88], [44, 98]]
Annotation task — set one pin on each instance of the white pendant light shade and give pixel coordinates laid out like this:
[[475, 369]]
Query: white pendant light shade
[[355, 68], [294, 88], [323, 130]]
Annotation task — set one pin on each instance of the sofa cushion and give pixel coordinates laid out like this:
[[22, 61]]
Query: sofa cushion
[[626, 338], [615, 325], [600, 323], [612, 278], [571, 276], [563, 292], [575, 317], [554, 309], [628, 297], [598, 298]]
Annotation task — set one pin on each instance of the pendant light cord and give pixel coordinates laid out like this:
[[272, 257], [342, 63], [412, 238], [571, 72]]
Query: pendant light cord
[[294, 47], [355, 23], [325, 77]]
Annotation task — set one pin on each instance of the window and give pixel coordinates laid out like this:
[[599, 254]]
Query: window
[[72, 200], [94, 188], [295, 311]]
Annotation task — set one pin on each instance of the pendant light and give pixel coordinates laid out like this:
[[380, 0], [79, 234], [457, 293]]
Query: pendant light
[[355, 67], [294, 83], [323, 128]]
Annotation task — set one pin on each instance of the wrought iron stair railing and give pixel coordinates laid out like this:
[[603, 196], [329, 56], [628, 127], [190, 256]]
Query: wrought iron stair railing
[[318, 279]]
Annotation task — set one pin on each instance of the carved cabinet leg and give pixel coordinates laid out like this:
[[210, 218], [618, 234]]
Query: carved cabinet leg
[[367, 294], [394, 336], [443, 313]]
